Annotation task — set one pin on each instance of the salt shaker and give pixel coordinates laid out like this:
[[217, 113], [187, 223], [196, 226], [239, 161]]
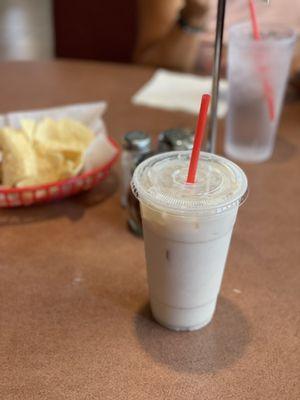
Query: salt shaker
[[135, 144]]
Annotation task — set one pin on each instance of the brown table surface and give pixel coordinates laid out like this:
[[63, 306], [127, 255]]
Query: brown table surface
[[74, 320]]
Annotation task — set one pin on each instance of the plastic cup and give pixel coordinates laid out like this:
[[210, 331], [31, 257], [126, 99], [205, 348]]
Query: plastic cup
[[187, 231], [257, 74]]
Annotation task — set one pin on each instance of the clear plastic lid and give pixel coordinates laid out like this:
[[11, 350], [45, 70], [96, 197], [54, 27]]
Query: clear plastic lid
[[160, 182]]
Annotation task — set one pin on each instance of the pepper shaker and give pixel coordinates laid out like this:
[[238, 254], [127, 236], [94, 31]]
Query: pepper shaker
[[175, 139]]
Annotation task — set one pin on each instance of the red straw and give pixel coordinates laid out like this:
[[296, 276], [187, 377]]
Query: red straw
[[255, 29], [198, 138], [267, 87], [269, 96]]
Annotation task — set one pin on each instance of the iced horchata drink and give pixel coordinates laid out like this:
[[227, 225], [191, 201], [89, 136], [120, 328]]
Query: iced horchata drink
[[187, 231]]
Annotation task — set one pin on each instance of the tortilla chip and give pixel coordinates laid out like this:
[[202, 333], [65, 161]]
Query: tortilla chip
[[65, 136], [19, 158], [28, 127], [43, 152]]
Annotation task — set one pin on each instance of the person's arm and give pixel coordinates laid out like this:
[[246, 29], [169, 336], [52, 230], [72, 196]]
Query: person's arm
[[161, 41]]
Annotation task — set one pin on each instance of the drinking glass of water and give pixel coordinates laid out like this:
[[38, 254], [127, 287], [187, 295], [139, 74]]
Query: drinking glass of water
[[258, 71]]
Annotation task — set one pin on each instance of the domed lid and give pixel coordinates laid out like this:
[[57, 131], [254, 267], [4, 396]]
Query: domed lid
[[160, 181]]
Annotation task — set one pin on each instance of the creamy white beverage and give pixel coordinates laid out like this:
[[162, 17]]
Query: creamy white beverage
[[187, 231]]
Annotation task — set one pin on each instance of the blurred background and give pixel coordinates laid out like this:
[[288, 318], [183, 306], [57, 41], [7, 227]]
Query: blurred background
[[146, 32], [42, 29], [26, 29]]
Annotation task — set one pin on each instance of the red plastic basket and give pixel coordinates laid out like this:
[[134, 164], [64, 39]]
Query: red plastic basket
[[26, 196]]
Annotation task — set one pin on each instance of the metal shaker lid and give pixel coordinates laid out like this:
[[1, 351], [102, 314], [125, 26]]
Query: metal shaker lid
[[137, 141], [176, 139]]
